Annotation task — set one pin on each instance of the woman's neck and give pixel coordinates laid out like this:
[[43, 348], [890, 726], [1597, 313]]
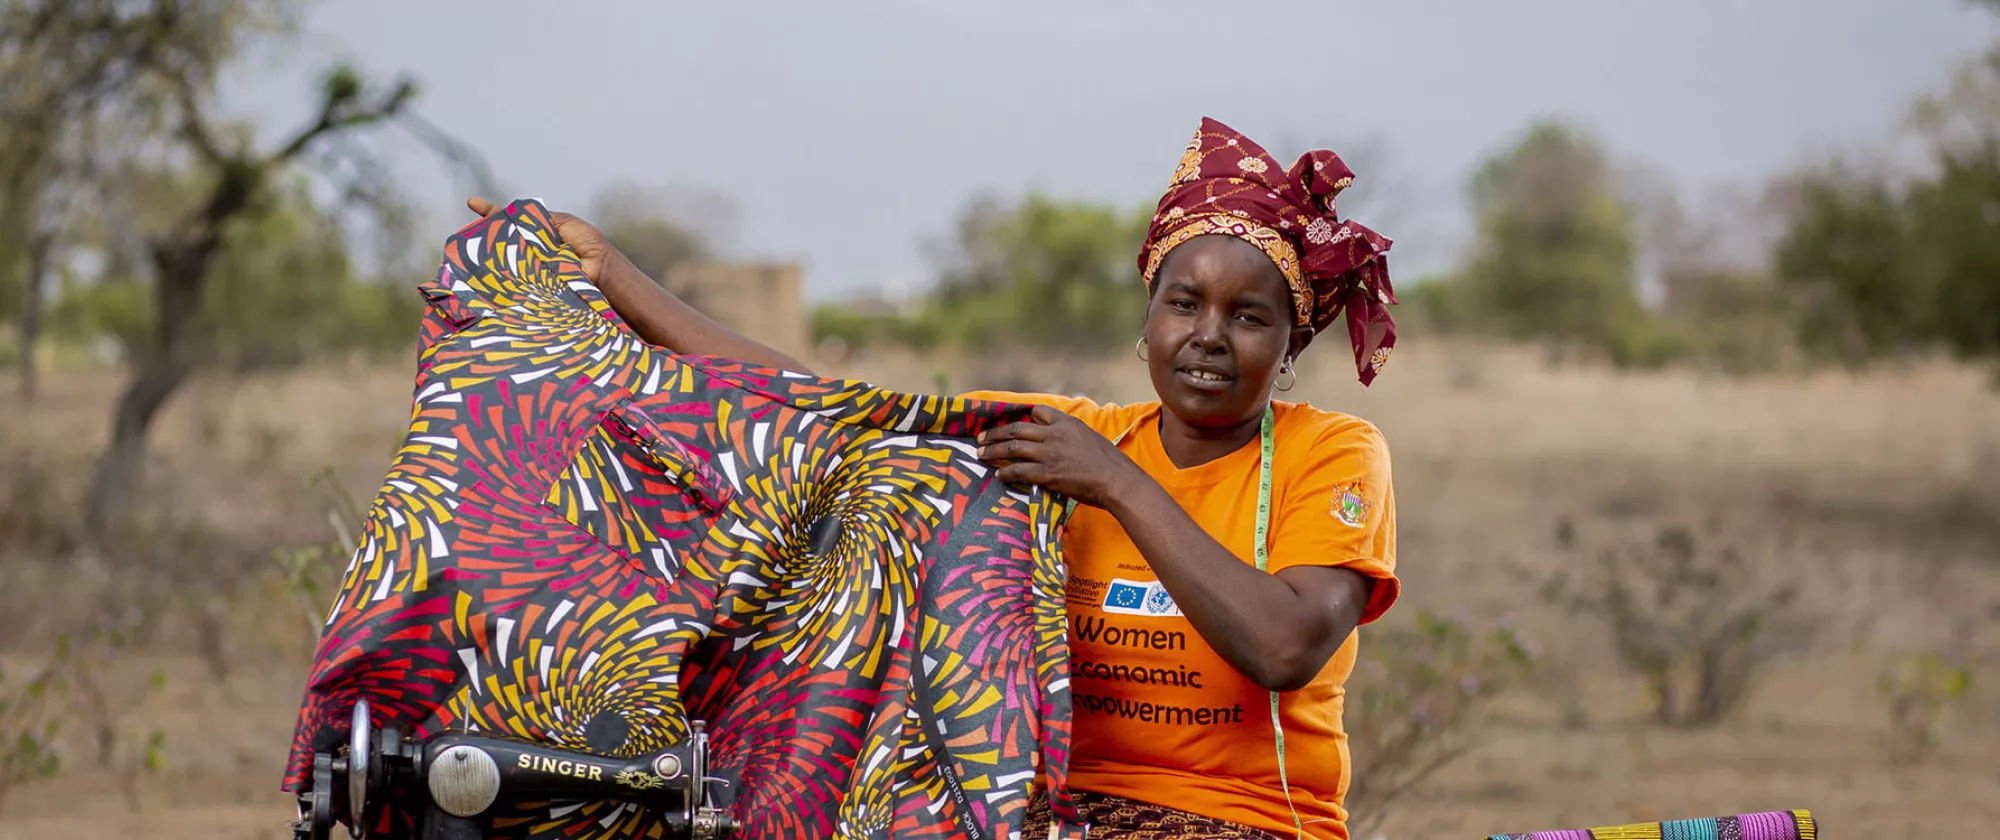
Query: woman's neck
[[1189, 446]]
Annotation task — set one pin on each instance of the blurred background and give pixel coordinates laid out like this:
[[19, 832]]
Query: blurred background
[[1696, 412]]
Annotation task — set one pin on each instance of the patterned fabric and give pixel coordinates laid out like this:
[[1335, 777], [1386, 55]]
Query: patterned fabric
[[1228, 185], [1768, 825], [1119, 818], [586, 541]]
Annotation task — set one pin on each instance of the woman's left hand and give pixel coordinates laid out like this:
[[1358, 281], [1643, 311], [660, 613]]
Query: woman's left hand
[[1057, 452]]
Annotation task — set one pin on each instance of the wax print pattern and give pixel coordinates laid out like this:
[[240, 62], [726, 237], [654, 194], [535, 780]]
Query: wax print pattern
[[1764, 825], [587, 541]]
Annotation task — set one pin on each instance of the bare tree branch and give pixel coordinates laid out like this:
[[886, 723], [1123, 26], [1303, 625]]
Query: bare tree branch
[[194, 128], [471, 165], [337, 113]]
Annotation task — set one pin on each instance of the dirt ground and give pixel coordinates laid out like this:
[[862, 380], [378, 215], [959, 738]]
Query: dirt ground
[[1879, 495]]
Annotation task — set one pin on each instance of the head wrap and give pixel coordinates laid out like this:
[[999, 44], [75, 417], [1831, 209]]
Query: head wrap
[[1228, 185]]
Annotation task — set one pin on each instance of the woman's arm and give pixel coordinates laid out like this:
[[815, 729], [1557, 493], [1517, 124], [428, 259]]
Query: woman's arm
[[654, 313], [1277, 629], [662, 319]]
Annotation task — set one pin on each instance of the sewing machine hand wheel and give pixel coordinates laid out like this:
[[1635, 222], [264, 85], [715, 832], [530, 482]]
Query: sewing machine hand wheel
[[360, 755]]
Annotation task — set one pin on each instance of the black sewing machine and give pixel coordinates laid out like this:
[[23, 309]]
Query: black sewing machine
[[455, 780]]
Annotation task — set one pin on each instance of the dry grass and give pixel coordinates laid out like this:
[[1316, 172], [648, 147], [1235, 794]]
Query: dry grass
[[1880, 496]]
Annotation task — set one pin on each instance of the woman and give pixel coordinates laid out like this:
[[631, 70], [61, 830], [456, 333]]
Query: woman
[[1210, 635]]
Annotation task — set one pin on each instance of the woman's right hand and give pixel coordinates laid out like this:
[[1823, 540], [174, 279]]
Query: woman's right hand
[[592, 249]]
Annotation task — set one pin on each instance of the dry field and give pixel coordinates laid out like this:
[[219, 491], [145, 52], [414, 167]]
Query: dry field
[[1879, 496]]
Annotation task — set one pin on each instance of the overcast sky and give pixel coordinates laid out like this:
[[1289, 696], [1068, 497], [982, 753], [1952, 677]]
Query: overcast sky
[[847, 133]]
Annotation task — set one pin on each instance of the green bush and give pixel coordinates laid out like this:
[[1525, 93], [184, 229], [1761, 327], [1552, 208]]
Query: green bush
[[858, 329], [1646, 344]]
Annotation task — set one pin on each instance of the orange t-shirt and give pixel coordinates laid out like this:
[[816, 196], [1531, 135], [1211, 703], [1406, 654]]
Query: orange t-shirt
[[1160, 717]]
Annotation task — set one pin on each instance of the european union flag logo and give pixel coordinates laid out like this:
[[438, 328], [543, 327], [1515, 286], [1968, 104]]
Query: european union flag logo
[[1124, 596]]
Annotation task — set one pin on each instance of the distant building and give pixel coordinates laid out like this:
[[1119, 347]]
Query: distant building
[[764, 301]]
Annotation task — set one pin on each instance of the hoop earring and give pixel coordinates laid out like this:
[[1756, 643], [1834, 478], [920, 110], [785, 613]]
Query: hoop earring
[[1291, 382], [1139, 349]]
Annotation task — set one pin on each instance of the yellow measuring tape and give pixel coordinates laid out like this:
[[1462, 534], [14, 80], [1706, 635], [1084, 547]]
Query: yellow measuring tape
[[1263, 560]]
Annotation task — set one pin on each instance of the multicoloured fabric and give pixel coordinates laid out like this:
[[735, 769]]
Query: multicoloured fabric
[[1226, 184], [587, 542], [1119, 818], [1766, 825]]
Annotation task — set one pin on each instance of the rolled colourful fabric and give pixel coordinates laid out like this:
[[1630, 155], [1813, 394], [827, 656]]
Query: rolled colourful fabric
[[1228, 185], [1763, 825]]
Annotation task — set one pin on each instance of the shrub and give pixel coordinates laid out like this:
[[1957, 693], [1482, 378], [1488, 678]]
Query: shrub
[[1646, 344], [74, 687], [36, 508], [1687, 613], [105, 696], [1919, 689], [1415, 703], [294, 591], [30, 720]]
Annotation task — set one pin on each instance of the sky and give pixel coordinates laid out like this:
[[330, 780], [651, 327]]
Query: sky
[[846, 135]]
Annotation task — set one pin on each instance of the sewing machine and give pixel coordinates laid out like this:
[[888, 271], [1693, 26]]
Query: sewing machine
[[450, 782]]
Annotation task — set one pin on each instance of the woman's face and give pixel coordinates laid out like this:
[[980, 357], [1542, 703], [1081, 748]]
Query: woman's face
[[1219, 327]]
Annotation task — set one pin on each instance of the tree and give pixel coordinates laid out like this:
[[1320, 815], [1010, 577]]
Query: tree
[[1042, 273], [1955, 241], [1554, 258], [167, 54], [247, 323], [1846, 258], [64, 62], [184, 255], [1883, 267], [1966, 112], [1955, 213]]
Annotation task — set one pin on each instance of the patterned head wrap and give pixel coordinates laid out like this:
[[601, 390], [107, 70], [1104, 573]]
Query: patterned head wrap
[[1228, 185]]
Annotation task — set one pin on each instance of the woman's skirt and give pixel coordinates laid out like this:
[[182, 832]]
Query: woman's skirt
[[1118, 818]]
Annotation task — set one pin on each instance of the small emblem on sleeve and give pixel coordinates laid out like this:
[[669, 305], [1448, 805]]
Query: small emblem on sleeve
[[1349, 506]]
